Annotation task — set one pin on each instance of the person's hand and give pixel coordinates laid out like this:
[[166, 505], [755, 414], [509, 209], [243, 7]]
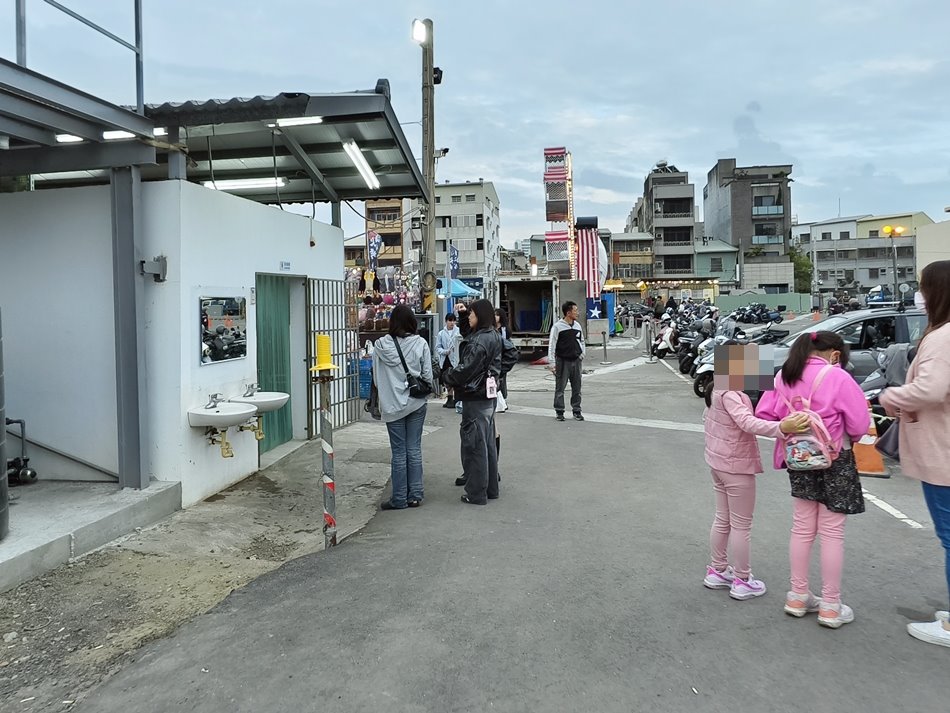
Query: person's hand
[[794, 423], [552, 369]]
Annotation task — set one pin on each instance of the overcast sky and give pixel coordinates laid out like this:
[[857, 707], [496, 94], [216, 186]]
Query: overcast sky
[[852, 92]]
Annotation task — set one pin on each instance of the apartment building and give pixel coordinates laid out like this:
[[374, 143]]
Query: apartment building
[[631, 256], [387, 218], [467, 217], [854, 253], [667, 211]]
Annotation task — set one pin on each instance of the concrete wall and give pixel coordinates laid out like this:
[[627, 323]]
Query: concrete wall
[[795, 302], [933, 243], [755, 274], [56, 291]]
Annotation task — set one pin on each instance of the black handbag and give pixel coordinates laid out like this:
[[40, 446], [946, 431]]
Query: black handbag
[[889, 444], [372, 403], [418, 387]]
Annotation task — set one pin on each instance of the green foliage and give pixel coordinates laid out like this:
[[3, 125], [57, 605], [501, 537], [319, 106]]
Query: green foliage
[[803, 269]]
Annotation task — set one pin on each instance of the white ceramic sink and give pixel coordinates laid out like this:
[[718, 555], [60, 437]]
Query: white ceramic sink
[[223, 415], [264, 400]]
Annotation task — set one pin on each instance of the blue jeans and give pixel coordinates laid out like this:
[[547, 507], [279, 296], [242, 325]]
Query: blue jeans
[[938, 502], [405, 441]]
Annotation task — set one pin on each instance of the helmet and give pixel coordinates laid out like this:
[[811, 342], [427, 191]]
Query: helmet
[[665, 318]]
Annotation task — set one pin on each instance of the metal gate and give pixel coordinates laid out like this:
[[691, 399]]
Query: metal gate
[[332, 309]]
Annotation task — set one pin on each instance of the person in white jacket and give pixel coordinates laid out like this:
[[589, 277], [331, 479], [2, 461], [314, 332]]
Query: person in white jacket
[[447, 352]]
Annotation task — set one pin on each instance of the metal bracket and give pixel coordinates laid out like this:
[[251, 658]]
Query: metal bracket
[[157, 267]]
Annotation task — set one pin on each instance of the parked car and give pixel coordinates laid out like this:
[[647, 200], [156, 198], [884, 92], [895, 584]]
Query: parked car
[[864, 331]]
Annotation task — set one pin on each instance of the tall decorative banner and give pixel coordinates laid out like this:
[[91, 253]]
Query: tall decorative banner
[[453, 262], [559, 204], [374, 244], [588, 260], [557, 245]]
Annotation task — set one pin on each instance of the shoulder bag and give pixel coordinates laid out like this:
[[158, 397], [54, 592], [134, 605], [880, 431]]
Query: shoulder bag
[[418, 388]]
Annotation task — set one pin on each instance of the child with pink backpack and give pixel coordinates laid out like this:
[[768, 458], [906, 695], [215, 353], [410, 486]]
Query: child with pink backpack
[[824, 478]]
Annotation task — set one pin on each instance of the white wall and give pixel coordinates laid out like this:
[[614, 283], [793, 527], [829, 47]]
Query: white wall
[[933, 243], [58, 327], [58, 324]]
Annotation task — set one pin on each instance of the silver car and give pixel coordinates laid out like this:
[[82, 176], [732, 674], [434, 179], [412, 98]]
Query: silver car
[[864, 331]]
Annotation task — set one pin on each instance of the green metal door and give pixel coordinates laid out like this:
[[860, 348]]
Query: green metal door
[[273, 355]]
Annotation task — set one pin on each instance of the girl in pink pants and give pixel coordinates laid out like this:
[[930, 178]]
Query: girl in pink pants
[[822, 499], [733, 455]]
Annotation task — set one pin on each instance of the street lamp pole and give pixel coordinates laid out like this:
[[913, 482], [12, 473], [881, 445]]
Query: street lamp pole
[[422, 34], [895, 232]]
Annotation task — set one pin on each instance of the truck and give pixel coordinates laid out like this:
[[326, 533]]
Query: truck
[[533, 304]]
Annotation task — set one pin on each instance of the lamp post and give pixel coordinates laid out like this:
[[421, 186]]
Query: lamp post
[[422, 34], [894, 232]]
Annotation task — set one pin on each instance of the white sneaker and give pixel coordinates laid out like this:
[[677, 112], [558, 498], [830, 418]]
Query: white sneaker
[[942, 615], [718, 580], [798, 605], [932, 632], [746, 589], [834, 615]]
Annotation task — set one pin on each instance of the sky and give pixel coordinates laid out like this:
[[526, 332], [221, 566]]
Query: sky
[[853, 93]]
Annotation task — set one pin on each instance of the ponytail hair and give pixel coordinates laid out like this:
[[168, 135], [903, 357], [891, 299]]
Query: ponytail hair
[[806, 345]]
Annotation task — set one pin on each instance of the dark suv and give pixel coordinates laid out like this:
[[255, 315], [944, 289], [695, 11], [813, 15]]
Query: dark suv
[[865, 331]]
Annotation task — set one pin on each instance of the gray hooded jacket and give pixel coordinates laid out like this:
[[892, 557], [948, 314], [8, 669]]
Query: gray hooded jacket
[[394, 400]]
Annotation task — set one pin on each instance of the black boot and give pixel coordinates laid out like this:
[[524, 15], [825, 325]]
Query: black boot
[[449, 403], [498, 453]]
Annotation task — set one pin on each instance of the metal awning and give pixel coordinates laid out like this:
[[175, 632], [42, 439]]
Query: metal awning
[[35, 109], [252, 139]]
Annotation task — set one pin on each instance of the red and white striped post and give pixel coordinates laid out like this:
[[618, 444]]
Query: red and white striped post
[[324, 370]]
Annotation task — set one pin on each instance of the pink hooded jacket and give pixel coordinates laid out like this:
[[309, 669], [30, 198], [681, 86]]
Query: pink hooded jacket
[[839, 401], [924, 404], [731, 428]]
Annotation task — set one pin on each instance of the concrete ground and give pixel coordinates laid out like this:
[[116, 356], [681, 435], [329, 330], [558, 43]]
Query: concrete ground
[[579, 590]]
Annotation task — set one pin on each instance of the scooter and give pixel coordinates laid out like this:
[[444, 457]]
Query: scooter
[[893, 363], [665, 341]]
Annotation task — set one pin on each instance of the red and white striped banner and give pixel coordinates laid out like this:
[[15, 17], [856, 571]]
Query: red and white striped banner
[[587, 260]]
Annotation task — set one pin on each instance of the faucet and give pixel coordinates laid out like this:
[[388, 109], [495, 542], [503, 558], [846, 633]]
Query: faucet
[[214, 400], [251, 390]]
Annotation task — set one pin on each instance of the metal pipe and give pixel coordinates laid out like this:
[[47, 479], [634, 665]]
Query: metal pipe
[[428, 156], [21, 32], [326, 438], [139, 62], [604, 336]]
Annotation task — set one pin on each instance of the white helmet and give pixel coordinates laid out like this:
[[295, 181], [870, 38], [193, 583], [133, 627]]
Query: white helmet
[[665, 318]]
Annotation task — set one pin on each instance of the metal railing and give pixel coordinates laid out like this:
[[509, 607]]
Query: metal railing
[[658, 216], [768, 210], [136, 47]]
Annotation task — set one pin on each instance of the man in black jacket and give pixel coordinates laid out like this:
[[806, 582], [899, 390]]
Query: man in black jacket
[[565, 355]]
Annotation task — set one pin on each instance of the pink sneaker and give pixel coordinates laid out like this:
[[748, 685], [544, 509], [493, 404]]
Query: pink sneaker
[[718, 580], [742, 589]]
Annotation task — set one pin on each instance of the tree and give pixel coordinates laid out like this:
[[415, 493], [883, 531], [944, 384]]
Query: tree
[[803, 269]]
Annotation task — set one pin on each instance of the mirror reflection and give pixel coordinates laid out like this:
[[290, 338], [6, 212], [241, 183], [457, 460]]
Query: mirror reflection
[[223, 328]]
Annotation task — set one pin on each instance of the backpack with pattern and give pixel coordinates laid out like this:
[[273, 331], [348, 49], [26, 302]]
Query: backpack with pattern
[[814, 449]]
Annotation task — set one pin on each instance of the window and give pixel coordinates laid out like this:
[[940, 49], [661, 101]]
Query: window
[[438, 199], [479, 219], [715, 264], [440, 246], [851, 333], [844, 235], [873, 273], [456, 199], [388, 215], [846, 254], [879, 332], [874, 234], [765, 229], [469, 197], [445, 221], [849, 276], [916, 324], [806, 237], [823, 275], [479, 243], [826, 236]]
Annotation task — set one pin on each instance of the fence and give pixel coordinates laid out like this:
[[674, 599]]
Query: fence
[[332, 310]]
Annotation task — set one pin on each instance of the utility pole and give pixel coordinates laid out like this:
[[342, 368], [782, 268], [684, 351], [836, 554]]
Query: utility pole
[[422, 33], [21, 32]]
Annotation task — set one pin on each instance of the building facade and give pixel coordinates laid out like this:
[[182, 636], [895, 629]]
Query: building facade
[[468, 218], [854, 254], [387, 218], [667, 211]]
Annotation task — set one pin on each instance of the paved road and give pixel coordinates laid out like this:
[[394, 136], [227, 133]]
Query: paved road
[[579, 590]]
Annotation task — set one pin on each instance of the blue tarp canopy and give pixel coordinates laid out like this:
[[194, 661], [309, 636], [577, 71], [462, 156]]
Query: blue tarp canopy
[[459, 289]]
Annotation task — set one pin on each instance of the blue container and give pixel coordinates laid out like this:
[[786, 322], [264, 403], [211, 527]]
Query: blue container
[[366, 376]]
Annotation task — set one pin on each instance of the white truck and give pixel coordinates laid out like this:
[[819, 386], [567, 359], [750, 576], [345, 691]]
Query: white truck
[[533, 304]]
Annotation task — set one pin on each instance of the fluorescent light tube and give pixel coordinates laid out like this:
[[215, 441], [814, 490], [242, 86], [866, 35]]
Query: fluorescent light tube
[[300, 121], [113, 135], [159, 131], [237, 184], [68, 139], [356, 156]]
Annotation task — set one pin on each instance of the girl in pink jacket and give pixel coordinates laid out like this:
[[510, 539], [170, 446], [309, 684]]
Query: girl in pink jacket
[[821, 498], [732, 453]]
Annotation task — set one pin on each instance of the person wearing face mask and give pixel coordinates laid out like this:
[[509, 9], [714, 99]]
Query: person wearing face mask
[[922, 406], [814, 376]]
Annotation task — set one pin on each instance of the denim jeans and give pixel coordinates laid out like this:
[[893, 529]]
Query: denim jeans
[[938, 502], [405, 441]]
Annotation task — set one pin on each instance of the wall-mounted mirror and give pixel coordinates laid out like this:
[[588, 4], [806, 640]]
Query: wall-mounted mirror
[[223, 328]]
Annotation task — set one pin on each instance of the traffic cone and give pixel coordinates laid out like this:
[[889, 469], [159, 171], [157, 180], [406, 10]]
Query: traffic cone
[[815, 316], [868, 459]]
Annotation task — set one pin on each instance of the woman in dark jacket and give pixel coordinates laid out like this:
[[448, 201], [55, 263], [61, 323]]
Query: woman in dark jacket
[[475, 380]]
